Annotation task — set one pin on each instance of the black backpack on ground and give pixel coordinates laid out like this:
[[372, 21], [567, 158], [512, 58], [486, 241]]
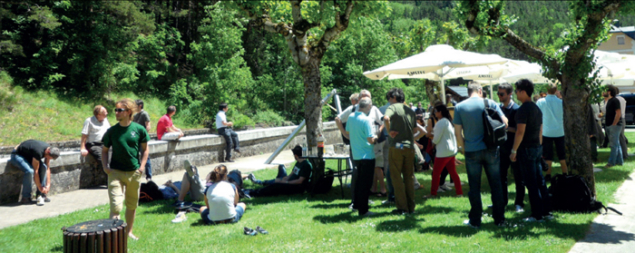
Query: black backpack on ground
[[325, 183], [149, 192], [495, 134], [570, 193]]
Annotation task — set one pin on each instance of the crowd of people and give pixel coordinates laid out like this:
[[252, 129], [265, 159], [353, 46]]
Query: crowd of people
[[387, 144]]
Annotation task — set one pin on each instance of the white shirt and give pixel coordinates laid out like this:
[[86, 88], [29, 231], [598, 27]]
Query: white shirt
[[94, 129], [622, 105], [220, 197], [374, 114], [220, 118], [444, 138]]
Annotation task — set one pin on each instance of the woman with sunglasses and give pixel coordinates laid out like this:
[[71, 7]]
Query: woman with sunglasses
[[443, 137]]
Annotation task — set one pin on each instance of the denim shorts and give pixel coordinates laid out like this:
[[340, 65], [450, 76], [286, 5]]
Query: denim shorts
[[239, 214]]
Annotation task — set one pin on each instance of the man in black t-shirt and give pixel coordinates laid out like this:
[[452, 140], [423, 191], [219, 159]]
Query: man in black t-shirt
[[510, 108], [296, 183], [614, 127], [28, 156], [527, 151], [143, 118]]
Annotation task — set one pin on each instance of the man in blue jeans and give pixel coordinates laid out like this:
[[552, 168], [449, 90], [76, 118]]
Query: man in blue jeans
[[614, 127], [27, 156], [527, 150], [468, 123], [224, 128]]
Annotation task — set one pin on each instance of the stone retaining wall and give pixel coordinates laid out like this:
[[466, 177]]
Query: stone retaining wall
[[71, 171]]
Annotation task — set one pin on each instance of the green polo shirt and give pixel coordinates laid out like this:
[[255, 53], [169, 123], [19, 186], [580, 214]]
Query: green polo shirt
[[126, 144]]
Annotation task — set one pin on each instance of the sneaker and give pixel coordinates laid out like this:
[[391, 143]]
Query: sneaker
[[467, 223], [446, 188], [532, 219], [180, 217], [252, 177], [398, 212], [519, 209], [229, 160], [352, 207], [388, 202], [448, 184], [40, 201], [188, 167], [237, 151], [46, 199], [368, 214], [249, 231], [261, 230], [441, 189]]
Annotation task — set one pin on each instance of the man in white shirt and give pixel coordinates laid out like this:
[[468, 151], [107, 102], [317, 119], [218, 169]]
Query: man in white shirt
[[376, 116], [224, 128], [93, 131]]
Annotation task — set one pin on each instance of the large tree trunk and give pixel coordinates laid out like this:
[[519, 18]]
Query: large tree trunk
[[312, 99], [576, 136]]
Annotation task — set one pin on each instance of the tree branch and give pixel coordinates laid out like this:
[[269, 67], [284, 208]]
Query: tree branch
[[592, 30], [505, 33], [341, 23]]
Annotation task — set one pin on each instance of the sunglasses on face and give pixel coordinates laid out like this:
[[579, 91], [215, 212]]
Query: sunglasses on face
[[500, 94], [120, 110]]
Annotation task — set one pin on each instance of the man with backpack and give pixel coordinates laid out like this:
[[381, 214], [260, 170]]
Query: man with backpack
[[470, 132], [527, 151]]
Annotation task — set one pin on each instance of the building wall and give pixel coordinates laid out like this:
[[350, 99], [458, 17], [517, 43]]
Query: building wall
[[612, 46]]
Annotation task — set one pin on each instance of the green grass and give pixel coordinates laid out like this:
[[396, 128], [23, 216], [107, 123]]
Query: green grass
[[325, 224], [45, 116]]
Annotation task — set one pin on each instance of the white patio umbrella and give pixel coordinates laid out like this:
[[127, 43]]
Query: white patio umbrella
[[495, 73], [614, 66], [436, 62]]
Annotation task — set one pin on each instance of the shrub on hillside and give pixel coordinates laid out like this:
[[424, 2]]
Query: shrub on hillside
[[268, 118], [7, 98]]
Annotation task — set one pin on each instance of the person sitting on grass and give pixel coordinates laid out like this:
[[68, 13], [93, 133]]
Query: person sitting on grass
[[296, 183], [192, 184], [221, 200], [444, 138]]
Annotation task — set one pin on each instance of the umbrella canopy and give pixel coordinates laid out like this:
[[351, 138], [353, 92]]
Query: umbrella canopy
[[431, 61], [437, 62]]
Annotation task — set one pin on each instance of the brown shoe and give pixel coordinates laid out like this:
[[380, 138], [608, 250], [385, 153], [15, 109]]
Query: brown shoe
[[229, 160], [27, 201]]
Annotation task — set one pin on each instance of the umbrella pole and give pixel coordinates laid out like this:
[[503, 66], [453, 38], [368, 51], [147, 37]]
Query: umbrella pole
[[491, 89], [443, 91]]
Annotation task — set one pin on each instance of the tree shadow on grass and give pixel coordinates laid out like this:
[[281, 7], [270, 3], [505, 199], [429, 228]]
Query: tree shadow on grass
[[409, 222], [346, 217], [57, 248], [612, 175]]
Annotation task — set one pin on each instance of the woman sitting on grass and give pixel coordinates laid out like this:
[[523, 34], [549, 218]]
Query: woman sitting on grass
[[443, 137], [221, 199]]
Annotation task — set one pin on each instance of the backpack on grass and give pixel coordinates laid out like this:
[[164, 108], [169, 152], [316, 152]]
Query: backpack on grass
[[325, 183], [570, 193], [495, 134]]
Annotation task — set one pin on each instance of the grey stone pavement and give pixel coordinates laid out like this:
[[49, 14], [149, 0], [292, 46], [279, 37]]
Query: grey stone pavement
[[11, 215], [613, 232]]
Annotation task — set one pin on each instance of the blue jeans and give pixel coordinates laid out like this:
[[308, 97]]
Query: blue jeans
[[616, 157], [148, 169], [529, 163], [27, 168], [239, 214], [282, 172], [231, 139], [489, 160]]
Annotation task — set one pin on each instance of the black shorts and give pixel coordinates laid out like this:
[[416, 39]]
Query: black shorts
[[547, 148]]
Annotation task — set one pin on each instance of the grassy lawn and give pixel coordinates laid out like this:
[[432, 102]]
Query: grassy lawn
[[325, 224], [45, 116]]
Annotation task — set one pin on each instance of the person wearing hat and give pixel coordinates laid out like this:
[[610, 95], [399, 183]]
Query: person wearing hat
[[27, 156], [295, 183]]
